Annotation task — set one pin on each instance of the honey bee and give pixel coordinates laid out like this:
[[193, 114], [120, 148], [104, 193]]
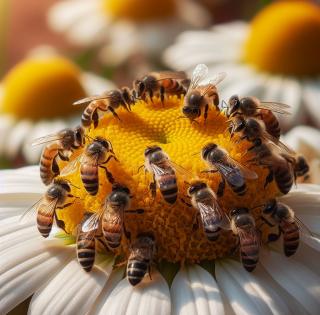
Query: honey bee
[[200, 97], [93, 158], [108, 101], [243, 225], [157, 162], [140, 258], [61, 145], [280, 214], [301, 167], [205, 201], [45, 209], [163, 82], [86, 242], [230, 170], [252, 107]]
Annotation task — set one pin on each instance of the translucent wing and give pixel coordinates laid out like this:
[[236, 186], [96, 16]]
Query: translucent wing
[[279, 108], [199, 73], [248, 236], [278, 145], [72, 166], [186, 174], [177, 75], [92, 223], [214, 213], [87, 100], [246, 172], [158, 171], [231, 174], [46, 139], [218, 78]]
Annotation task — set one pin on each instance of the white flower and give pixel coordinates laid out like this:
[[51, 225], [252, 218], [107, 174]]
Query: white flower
[[38, 88], [275, 58], [125, 28], [48, 270]]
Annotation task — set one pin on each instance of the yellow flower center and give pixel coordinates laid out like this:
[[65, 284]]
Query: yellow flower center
[[284, 39], [139, 10], [148, 124], [42, 88]]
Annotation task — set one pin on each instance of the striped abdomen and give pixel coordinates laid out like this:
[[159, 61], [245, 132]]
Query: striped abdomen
[[271, 122], [173, 86], [241, 187], [49, 168], [136, 270], [283, 177], [249, 252], [211, 230], [44, 221], [90, 178], [291, 237], [86, 250], [168, 187], [112, 229]]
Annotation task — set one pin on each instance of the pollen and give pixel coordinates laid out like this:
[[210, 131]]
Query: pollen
[[139, 10], [178, 234], [40, 88], [283, 39]]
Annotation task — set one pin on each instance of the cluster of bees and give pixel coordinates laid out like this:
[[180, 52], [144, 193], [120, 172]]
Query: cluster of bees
[[248, 118]]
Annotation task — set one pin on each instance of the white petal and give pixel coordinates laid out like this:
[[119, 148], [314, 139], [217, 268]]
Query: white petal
[[149, 297], [71, 291], [112, 282], [299, 281], [25, 268], [6, 125], [248, 293], [311, 96], [94, 84], [194, 291]]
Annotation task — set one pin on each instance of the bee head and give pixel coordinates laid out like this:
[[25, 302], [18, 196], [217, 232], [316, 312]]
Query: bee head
[[241, 217], [79, 136], [58, 188], [67, 138], [234, 104], [301, 166], [120, 195], [195, 187], [139, 87], [283, 211], [270, 207], [207, 149], [106, 144], [194, 99], [249, 105], [238, 211], [254, 126], [151, 149]]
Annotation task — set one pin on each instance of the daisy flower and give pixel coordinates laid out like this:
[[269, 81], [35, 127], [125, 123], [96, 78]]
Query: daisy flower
[[275, 57], [111, 215], [127, 27], [35, 99]]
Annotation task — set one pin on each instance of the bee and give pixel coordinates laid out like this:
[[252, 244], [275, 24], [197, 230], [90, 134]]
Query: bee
[[163, 82], [280, 214], [86, 242], [243, 225], [93, 158], [61, 144], [140, 258], [108, 101], [54, 198], [199, 97], [252, 107], [205, 201], [230, 170], [157, 162], [301, 167]]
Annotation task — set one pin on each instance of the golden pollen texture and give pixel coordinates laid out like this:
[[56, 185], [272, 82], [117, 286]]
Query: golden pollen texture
[[284, 39], [176, 227], [139, 10], [42, 88]]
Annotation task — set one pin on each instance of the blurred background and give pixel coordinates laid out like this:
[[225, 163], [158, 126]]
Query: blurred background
[[55, 52]]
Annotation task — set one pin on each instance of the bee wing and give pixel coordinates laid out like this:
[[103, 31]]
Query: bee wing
[[89, 99], [158, 171], [250, 234], [72, 166], [178, 75], [246, 172], [279, 108], [278, 145], [199, 73], [186, 174], [216, 213], [92, 223], [46, 139], [218, 78]]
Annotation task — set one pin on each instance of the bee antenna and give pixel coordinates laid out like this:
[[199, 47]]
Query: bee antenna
[[90, 138], [69, 182], [195, 154]]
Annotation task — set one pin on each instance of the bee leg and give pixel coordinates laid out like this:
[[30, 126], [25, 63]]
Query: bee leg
[[221, 188], [269, 178], [95, 119], [140, 167], [153, 189], [55, 167], [62, 156], [135, 211], [209, 171], [162, 91], [151, 95], [205, 115], [186, 203], [65, 205], [108, 175], [113, 112], [149, 272], [60, 223], [109, 158]]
